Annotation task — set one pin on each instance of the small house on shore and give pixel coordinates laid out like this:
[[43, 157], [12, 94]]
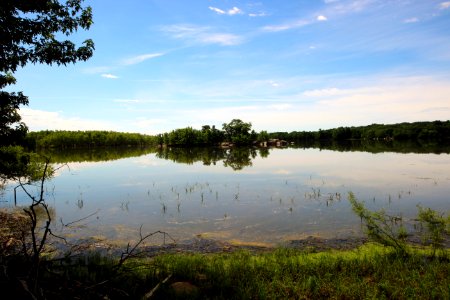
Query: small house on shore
[[274, 143]]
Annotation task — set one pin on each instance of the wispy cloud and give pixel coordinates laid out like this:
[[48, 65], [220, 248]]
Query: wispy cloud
[[345, 7], [96, 70], [109, 76], [51, 120], [260, 14], [444, 5], [333, 8], [217, 10], [140, 58], [274, 83], [224, 39], [286, 26], [411, 20], [231, 12], [384, 100], [127, 101], [282, 106], [139, 101], [327, 92], [202, 35], [234, 11]]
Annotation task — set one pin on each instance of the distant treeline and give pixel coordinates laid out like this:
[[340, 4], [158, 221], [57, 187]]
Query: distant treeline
[[240, 133], [437, 130], [87, 139]]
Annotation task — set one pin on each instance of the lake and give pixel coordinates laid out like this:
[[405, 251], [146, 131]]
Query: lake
[[244, 195]]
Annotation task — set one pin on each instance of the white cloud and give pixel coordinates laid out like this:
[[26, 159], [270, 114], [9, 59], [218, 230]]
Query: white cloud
[[144, 99], [274, 83], [110, 76], [286, 26], [411, 20], [327, 92], [203, 35], [217, 10], [50, 120], [261, 14], [224, 39], [351, 6], [149, 125], [391, 100], [335, 8], [359, 101], [140, 58], [283, 106], [96, 70], [299, 103], [444, 5], [127, 101], [233, 11]]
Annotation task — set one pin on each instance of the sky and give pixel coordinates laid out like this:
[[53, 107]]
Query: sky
[[282, 65]]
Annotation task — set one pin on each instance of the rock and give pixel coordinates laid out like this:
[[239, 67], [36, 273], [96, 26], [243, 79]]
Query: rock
[[184, 288]]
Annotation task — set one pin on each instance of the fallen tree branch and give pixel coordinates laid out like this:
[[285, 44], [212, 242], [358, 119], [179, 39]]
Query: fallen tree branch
[[150, 294]]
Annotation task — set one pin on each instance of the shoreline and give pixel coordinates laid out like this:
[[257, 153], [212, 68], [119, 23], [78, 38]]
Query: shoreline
[[199, 245]]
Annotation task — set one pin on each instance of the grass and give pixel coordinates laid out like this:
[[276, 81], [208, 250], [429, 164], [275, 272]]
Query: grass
[[370, 271]]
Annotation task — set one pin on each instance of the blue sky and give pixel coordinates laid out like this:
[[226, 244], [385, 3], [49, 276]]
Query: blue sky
[[281, 65]]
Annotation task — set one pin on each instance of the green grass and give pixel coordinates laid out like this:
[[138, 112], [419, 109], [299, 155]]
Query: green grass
[[366, 273], [369, 272]]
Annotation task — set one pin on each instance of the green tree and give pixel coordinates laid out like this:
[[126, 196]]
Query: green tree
[[263, 136], [28, 32], [238, 132]]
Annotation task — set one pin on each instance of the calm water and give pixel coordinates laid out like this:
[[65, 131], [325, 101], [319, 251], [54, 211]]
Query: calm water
[[241, 195]]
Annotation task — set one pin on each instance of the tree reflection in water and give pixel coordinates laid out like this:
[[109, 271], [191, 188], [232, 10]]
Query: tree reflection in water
[[236, 158]]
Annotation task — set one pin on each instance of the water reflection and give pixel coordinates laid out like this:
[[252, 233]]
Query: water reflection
[[379, 146], [241, 157], [277, 194], [93, 154], [235, 158]]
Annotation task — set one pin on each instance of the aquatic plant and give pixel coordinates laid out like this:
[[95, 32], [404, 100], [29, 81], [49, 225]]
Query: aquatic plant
[[381, 227], [434, 227]]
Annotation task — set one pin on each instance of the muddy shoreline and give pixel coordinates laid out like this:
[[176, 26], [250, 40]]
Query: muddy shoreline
[[205, 246]]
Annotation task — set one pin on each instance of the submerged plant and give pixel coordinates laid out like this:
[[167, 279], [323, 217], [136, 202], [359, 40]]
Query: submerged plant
[[434, 228], [381, 227]]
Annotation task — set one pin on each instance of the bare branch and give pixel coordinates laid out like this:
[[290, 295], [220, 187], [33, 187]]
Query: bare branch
[[130, 252], [82, 219]]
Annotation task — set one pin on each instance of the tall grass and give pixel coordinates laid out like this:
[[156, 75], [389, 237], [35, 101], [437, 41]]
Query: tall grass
[[371, 271], [368, 272]]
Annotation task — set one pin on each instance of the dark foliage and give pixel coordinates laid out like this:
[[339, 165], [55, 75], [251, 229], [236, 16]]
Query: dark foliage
[[64, 139], [423, 131], [28, 32]]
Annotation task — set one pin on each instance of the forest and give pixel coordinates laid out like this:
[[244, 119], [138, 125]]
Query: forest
[[238, 133], [86, 139], [437, 130]]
